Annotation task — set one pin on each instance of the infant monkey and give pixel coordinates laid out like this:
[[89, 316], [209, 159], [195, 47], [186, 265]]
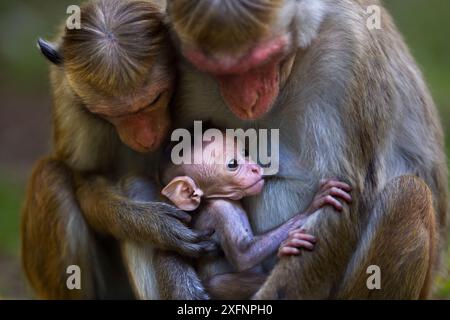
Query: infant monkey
[[214, 188]]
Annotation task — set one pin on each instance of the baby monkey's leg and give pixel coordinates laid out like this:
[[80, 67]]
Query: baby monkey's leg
[[243, 285], [231, 286]]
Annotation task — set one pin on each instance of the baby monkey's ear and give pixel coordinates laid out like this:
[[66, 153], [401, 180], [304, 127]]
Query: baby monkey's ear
[[184, 193]]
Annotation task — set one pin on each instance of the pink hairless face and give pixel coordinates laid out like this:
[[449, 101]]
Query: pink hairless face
[[224, 172], [229, 172], [249, 84], [244, 179]]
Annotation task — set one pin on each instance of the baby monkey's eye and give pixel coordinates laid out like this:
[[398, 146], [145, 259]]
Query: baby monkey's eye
[[232, 165]]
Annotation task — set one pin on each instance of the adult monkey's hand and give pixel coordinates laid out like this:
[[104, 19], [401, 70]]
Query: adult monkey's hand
[[156, 223]]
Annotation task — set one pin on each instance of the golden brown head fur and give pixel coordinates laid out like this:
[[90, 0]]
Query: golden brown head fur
[[228, 25], [116, 45]]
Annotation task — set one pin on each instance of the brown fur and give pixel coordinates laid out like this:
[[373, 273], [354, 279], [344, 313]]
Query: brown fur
[[354, 105], [249, 21], [103, 55], [77, 208], [398, 218]]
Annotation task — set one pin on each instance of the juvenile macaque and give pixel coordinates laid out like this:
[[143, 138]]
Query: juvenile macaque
[[214, 188]]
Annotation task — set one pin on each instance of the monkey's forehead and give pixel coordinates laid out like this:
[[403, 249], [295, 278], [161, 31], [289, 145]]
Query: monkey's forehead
[[218, 147]]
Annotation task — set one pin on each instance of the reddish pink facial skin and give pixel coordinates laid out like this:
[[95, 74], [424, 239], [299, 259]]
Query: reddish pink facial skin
[[249, 84], [144, 131], [250, 95], [258, 55]]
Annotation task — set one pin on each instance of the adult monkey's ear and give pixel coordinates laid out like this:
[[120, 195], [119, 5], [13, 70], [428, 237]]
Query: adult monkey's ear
[[50, 52], [184, 193]]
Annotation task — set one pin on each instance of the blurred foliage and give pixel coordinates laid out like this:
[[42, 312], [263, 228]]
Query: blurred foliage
[[10, 202], [22, 22], [425, 27], [424, 24]]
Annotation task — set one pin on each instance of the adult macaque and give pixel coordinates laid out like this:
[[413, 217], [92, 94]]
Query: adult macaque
[[349, 102], [112, 83], [215, 187]]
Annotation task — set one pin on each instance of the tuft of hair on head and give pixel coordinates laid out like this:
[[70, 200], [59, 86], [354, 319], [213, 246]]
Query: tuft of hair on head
[[223, 25], [204, 175], [116, 45]]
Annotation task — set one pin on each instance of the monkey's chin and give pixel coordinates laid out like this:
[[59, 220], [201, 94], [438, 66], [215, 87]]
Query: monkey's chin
[[143, 148], [255, 188]]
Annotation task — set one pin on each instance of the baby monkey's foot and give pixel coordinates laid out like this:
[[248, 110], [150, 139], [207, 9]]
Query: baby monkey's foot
[[297, 240]]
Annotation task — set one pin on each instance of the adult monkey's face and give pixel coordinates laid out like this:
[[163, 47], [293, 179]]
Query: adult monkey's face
[[248, 46]]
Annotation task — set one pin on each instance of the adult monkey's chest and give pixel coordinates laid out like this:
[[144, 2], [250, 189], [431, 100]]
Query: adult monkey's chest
[[288, 191], [285, 193]]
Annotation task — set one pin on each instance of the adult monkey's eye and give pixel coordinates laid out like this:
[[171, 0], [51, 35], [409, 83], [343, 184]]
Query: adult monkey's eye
[[232, 165], [156, 99]]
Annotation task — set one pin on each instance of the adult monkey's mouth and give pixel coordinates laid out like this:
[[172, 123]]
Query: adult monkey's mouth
[[249, 84]]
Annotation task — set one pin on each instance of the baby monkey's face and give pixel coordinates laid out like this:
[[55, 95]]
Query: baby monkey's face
[[221, 169], [227, 171]]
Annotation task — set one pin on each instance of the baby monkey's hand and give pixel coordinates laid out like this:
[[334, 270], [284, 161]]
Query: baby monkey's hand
[[297, 239], [331, 192]]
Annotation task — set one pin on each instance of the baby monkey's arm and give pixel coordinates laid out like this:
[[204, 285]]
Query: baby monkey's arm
[[242, 249], [245, 250]]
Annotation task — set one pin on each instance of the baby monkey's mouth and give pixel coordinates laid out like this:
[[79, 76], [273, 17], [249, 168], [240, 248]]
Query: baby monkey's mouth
[[255, 188]]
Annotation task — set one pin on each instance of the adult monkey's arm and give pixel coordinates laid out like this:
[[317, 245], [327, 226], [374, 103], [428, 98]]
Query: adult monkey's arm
[[395, 219], [398, 237], [111, 211]]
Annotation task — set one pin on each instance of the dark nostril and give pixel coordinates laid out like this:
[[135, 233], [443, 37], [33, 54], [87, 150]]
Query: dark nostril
[[255, 103]]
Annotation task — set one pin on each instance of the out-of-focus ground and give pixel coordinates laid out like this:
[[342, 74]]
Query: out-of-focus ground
[[25, 120]]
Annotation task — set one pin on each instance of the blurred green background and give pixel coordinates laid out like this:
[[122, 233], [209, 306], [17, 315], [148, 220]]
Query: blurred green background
[[25, 122]]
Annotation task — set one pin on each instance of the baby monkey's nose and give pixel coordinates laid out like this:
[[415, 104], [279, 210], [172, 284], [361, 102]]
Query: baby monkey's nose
[[256, 169]]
